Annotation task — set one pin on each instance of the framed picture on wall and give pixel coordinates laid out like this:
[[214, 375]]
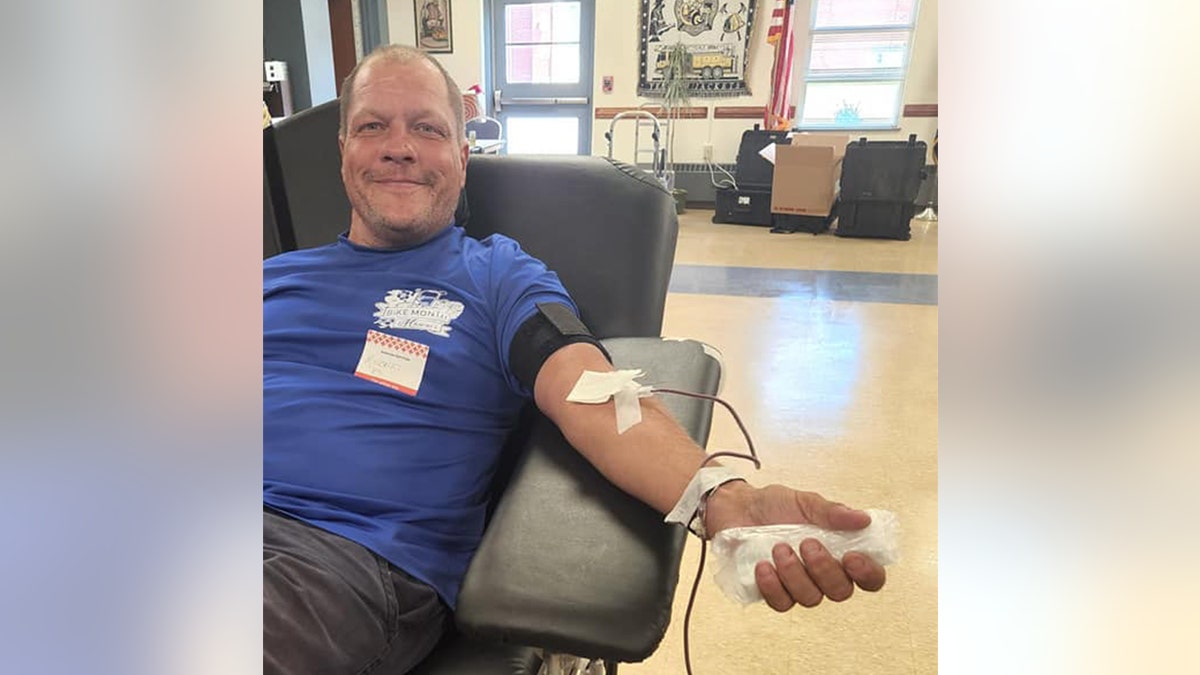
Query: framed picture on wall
[[433, 26]]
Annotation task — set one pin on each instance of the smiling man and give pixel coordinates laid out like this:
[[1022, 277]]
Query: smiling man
[[404, 157], [395, 363]]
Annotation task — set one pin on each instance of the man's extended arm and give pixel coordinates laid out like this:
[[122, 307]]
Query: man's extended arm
[[654, 461]]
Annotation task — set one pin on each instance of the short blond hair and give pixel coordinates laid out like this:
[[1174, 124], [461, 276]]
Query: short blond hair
[[403, 54]]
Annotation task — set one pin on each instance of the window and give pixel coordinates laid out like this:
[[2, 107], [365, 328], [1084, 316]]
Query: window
[[857, 61], [542, 43]]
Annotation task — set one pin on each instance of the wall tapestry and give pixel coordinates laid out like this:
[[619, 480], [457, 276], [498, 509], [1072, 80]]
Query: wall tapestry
[[716, 31]]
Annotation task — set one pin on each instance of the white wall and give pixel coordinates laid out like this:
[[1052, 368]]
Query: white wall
[[465, 64], [617, 47], [922, 83]]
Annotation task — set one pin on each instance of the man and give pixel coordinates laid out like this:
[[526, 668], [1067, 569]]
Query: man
[[395, 363]]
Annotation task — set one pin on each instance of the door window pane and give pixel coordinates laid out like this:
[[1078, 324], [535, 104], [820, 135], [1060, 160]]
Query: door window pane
[[543, 136], [542, 64], [564, 64], [851, 104], [565, 22], [518, 24], [541, 23], [519, 62]]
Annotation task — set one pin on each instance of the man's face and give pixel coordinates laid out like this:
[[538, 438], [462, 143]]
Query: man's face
[[403, 163]]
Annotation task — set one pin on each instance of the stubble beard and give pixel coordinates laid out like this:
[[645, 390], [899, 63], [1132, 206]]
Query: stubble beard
[[405, 232]]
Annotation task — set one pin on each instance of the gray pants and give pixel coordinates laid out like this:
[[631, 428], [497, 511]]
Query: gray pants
[[332, 607]]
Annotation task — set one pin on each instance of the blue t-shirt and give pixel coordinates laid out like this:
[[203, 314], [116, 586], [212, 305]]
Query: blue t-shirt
[[396, 458]]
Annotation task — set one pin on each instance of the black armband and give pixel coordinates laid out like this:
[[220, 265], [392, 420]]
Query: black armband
[[551, 328]]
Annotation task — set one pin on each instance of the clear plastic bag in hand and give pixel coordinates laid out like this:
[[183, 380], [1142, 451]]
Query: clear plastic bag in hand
[[738, 550]]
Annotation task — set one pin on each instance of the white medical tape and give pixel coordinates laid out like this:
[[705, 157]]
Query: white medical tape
[[629, 409], [619, 385], [594, 387], [705, 479]]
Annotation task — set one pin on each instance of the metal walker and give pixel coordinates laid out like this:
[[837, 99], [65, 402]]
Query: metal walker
[[658, 157]]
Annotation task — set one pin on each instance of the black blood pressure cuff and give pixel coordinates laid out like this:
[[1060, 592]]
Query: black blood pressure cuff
[[551, 328]]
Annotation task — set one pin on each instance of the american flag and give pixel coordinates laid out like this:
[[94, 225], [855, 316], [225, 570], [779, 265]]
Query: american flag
[[778, 111]]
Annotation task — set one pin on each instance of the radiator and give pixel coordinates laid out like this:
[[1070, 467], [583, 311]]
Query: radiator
[[694, 178]]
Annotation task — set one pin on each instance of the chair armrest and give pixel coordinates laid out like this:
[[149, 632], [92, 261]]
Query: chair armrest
[[572, 564]]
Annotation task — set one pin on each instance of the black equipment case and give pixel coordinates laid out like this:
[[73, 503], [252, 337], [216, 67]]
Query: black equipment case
[[750, 202], [791, 222], [880, 182]]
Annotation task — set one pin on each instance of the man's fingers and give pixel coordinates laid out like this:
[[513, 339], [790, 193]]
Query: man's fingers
[[814, 574], [826, 572], [842, 517], [869, 575], [771, 587], [796, 579], [831, 515]]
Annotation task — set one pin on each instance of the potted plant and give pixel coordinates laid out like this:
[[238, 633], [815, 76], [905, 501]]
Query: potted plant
[[676, 97]]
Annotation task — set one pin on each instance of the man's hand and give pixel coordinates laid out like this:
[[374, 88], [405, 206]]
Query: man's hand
[[790, 581]]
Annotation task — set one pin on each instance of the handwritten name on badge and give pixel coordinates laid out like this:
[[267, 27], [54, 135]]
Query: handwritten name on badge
[[393, 362]]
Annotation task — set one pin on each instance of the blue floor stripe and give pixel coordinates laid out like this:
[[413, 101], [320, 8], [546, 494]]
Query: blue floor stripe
[[909, 289]]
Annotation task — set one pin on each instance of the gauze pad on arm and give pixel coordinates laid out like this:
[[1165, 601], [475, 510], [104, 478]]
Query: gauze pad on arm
[[621, 386], [739, 549]]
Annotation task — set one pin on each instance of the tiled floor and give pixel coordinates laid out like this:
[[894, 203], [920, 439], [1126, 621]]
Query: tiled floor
[[756, 282], [830, 347]]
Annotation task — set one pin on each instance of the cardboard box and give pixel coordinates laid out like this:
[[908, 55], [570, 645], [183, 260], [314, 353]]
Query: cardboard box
[[805, 181]]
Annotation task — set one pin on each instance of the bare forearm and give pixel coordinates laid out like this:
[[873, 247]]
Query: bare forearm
[[653, 460]]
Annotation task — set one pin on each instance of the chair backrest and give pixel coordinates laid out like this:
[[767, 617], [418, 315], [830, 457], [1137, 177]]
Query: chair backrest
[[486, 127], [304, 177], [272, 244], [608, 229]]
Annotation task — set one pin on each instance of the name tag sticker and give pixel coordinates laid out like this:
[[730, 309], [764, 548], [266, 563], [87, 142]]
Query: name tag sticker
[[394, 362]]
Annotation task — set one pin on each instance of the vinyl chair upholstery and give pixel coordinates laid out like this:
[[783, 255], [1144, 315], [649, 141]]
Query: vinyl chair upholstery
[[271, 243], [608, 229], [304, 169], [568, 563]]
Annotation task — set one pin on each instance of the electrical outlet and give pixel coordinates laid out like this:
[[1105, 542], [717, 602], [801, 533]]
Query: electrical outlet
[[708, 152]]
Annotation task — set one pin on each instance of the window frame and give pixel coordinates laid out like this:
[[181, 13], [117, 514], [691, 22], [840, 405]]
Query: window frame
[[864, 78]]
